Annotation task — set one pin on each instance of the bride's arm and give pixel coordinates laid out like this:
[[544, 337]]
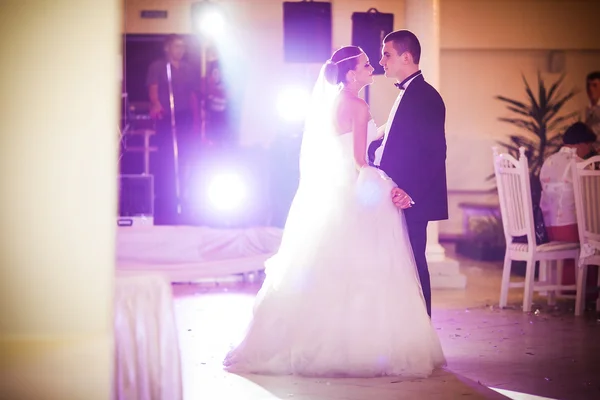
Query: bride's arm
[[360, 121]]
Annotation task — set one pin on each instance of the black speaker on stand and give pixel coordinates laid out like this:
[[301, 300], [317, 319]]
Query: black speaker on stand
[[307, 31], [368, 30]]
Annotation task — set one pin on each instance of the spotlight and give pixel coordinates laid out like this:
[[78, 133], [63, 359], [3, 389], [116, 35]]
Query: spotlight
[[227, 191], [292, 103], [212, 24], [229, 188], [208, 19]]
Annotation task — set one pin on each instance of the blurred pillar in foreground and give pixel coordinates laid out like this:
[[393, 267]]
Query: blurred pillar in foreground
[[58, 167]]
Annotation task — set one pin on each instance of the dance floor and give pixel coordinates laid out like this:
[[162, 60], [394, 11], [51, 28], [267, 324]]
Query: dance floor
[[491, 353]]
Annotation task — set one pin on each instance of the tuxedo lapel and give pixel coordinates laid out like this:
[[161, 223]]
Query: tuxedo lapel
[[409, 96], [402, 119]]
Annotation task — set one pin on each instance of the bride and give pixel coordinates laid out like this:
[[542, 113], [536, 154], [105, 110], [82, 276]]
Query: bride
[[342, 296]]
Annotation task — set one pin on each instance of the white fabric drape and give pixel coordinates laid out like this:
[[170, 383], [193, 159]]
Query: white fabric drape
[[184, 253], [147, 357]]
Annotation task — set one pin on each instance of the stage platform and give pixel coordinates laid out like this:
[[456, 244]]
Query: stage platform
[[190, 253]]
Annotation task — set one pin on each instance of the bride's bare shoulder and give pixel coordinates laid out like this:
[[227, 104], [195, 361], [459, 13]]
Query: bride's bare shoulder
[[353, 105], [348, 111]]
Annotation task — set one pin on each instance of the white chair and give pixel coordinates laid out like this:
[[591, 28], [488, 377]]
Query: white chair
[[514, 192], [586, 186]]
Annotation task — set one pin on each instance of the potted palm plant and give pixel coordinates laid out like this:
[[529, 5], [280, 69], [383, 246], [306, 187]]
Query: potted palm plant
[[538, 120]]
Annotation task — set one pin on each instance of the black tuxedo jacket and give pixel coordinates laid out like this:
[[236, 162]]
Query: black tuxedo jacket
[[415, 151]]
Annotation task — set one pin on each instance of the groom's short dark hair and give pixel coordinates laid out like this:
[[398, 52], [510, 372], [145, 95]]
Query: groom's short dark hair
[[405, 40], [593, 76]]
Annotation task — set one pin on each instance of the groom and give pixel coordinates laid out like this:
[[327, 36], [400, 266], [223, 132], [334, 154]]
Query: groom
[[413, 150]]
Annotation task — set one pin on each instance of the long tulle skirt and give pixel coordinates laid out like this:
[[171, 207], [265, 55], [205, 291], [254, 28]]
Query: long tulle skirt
[[342, 296]]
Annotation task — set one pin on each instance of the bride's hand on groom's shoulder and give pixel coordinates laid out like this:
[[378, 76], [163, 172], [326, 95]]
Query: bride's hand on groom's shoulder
[[380, 132], [401, 199]]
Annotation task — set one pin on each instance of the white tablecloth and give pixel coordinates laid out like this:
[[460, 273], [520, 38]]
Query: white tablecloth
[[147, 358], [185, 253]]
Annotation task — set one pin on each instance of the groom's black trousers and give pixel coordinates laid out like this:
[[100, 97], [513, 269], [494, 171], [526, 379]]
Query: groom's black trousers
[[417, 233]]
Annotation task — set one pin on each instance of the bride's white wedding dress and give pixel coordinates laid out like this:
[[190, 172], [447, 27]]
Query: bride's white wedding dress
[[342, 296]]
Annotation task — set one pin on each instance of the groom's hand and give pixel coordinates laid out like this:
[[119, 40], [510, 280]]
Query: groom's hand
[[401, 199]]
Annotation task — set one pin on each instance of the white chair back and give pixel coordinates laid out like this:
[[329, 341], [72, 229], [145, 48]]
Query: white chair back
[[514, 193], [586, 187]]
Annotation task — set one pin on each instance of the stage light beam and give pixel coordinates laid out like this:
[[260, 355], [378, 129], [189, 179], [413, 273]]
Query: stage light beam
[[208, 19], [292, 103]]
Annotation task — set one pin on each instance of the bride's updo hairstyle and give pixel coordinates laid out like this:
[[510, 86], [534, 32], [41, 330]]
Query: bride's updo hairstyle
[[343, 60]]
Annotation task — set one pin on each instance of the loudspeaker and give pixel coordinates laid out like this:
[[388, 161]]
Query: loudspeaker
[[307, 31], [136, 199], [368, 30]]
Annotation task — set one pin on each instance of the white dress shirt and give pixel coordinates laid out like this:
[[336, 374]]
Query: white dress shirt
[[379, 151], [558, 200]]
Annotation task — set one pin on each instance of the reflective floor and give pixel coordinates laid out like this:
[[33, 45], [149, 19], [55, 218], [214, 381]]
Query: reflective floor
[[491, 353]]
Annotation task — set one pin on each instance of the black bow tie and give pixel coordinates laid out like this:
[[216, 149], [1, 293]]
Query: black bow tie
[[406, 80]]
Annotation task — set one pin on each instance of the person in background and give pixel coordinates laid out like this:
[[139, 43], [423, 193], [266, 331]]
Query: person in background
[[558, 199], [217, 115], [592, 112], [185, 84]]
